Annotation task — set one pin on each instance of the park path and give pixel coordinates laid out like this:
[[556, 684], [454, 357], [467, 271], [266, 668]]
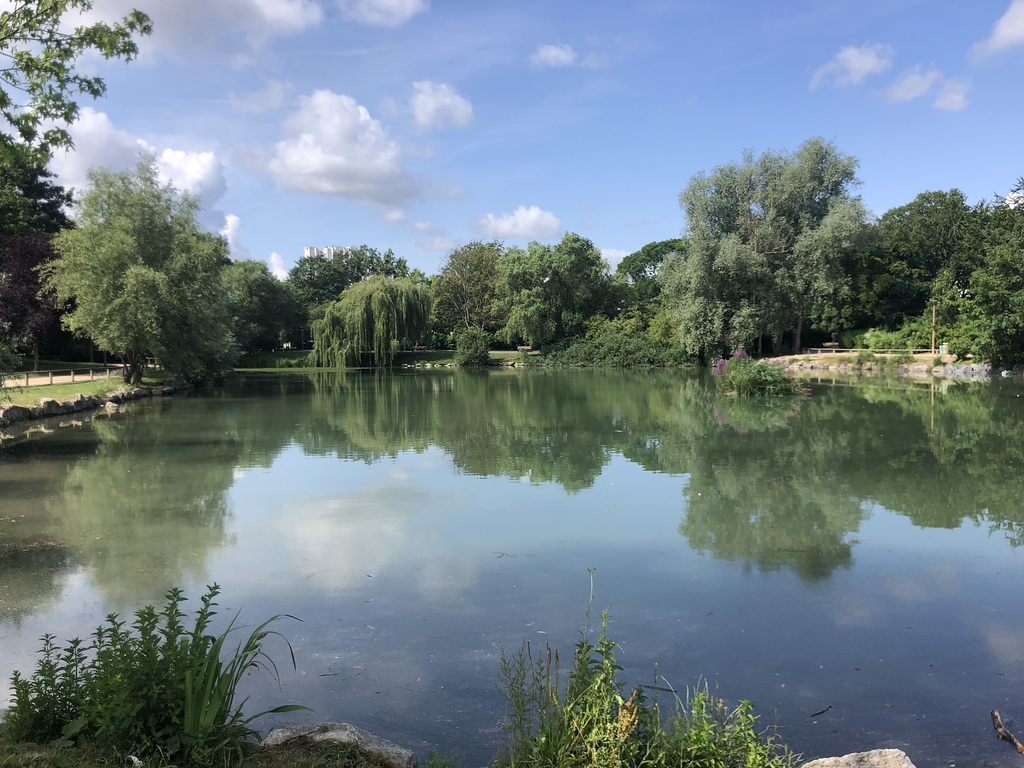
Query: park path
[[38, 378]]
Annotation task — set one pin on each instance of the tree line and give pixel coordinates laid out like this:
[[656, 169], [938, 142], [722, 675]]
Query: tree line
[[778, 252]]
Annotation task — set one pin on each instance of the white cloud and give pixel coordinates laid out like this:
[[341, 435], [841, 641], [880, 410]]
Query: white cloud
[[1007, 32], [395, 216], [183, 26], [852, 64], [98, 144], [277, 267], [272, 97], [553, 56], [911, 85], [613, 256], [438, 105], [525, 223], [953, 95], [230, 233], [198, 173], [382, 13], [332, 146], [441, 244]]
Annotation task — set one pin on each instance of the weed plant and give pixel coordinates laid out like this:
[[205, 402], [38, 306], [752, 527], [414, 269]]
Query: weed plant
[[588, 721], [152, 689], [743, 376]]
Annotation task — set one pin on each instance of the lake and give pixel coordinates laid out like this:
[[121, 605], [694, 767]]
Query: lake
[[849, 562]]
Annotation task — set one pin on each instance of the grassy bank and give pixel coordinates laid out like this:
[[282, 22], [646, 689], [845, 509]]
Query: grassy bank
[[29, 396]]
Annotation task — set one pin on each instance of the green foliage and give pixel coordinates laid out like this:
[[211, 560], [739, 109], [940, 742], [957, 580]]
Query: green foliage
[[40, 49], [585, 720], [465, 291], [549, 292], [371, 322], [149, 689], [141, 279], [319, 280], [29, 201], [472, 347], [766, 248], [262, 307], [744, 376], [615, 346]]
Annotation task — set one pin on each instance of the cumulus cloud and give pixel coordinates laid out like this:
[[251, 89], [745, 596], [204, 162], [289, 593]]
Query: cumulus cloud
[[382, 13], [613, 256], [546, 56], [440, 244], [98, 144], [911, 85], [438, 105], [1007, 32], [184, 26], [332, 146], [524, 223], [953, 95], [277, 267], [852, 64], [268, 99], [230, 233]]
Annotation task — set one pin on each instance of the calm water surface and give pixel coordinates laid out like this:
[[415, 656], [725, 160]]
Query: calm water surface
[[857, 552]]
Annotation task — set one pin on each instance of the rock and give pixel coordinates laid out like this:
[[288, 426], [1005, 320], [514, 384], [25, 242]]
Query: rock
[[12, 414], [49, 407], [396, 755], [112, 407], [877, 758]]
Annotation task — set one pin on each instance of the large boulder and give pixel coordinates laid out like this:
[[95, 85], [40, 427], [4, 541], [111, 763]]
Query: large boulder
[[398, 756], [876, 758]]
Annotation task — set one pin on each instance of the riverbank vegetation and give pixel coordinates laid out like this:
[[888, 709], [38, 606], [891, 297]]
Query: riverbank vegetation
[[153, 688], [778, 253], [164, 694]]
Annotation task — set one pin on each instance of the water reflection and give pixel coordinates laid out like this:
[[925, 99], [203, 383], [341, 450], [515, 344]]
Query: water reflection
[[417, 521]]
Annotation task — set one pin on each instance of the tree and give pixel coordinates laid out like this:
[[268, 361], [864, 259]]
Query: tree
[[548, 291], [261, 306], [767, 239], [38, 76], [25, 313], [998, 284], [29, 201], [466, 290], [144, 280], [371, 322]]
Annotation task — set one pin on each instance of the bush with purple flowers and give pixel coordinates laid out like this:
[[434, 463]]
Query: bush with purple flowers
[[744, 376]]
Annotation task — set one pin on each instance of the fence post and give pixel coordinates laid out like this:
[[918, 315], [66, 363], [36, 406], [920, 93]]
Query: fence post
[[51, 377], [26, 379], [72, 375]]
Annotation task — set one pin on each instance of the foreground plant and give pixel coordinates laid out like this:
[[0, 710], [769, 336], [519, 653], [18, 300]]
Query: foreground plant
[[153, 690], [743, 376], [590, 722]]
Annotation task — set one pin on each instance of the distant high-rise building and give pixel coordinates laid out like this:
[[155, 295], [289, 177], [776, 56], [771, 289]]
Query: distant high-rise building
[[327, 253]]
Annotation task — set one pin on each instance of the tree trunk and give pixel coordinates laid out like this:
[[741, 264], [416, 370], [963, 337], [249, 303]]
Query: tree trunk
[[796, 334]]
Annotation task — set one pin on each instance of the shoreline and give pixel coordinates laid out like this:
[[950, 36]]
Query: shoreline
[[18, 421]]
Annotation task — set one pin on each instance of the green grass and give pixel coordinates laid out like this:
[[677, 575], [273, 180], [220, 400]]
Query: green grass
[[588, 718], [152, 688], [29, 396]]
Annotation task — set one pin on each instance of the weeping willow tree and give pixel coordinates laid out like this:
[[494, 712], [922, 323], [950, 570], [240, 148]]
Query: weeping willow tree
[[372, 321]]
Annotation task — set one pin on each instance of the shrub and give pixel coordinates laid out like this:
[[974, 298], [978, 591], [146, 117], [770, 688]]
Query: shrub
[[151, 689], [588, 721], [472, 347], [742, 375], [613, 346]]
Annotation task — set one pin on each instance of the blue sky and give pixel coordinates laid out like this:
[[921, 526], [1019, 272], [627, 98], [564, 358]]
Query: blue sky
[[420, 125]]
